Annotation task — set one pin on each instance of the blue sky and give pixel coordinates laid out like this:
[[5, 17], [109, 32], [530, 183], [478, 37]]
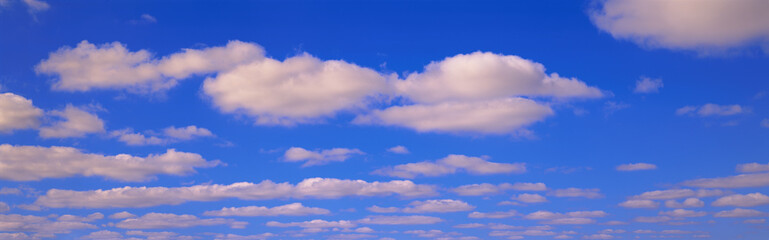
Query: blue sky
[[616, 119]]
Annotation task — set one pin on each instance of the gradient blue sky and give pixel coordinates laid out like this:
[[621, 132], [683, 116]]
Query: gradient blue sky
[[656, 124]]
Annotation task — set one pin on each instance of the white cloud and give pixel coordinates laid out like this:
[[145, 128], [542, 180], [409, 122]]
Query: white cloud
[[297, 90], [711, 109], [317, 223], [42, 226], [17, 112], [636, 167], [314, 158], [400, 220], [598, 236], [639, 203], [378, 209], [76, 123], [648, 85], [738, 181], [530, 198], [677, 24], [655, 219], [677, 193], [590, 193], [683, 213], [427, 206], [103, 235], [231, 236], [688, 203], [488, 76], [481, 189], [450, 165], [499, 116], [112, 66], [439, 206], [35, 6], [753, 167], [507, 214], [399, 150], [490, 87], [170, 134], [293, 209], [739, 200], [323, 188], [570, 218], [522, 186], [122, 215], [31, 163], [740, 213], [168, 220], [4, 207]]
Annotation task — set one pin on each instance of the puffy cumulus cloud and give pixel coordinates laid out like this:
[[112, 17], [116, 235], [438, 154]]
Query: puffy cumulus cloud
[[488, 76], [487, 86], [655, 219], [112, 66], [103, 235], [711, 109], [498, 116], [297, 90], [399, 150], [378, 209], [159, 235], [636, 167], [231, 236], [450, 165], [481, 189], [293, 209], [4, 207], [639, 203], [590, 193], [323, 188], [42, 226], [677, 193], [439, 206], [753, 167], [400, 220], [677, 24], [170, 134], [76, 122], [740, 213], [569, 218], [738, 181], [683, 213], [507, 214], [739, 200], [317, 223], [648, 85], [322, 157], [168, 220], [530, 198], [598, 236], [122, 215], [520, 234], [17, 112], [31, 163], [688, 203]]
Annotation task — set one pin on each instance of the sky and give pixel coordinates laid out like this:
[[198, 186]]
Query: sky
[[609, 119]]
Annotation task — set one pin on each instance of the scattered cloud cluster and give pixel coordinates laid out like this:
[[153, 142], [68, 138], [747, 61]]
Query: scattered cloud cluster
[[169, 135], [323, 157], [323, 188]]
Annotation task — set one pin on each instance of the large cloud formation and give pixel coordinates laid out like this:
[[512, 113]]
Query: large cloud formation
[[477, 93], [685, 24]]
